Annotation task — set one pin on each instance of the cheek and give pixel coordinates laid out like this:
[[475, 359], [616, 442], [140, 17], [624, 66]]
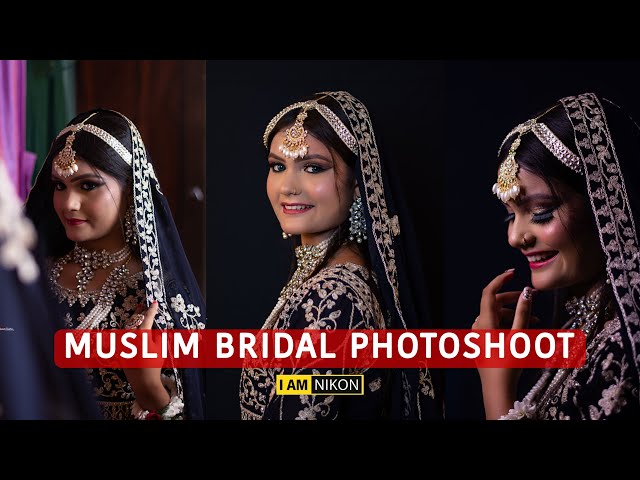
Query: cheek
[[556, 236], [102, 205], [325, 190], [57, 202], [322, 190], [272, 188]]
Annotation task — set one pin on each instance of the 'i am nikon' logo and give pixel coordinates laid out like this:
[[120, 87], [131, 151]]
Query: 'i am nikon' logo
[[320, 384]]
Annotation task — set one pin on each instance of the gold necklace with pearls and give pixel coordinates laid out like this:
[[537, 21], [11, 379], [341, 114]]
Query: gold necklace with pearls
[[308, 258], [89, 262]]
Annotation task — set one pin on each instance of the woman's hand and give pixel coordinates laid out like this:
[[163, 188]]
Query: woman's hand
[[499, 385], [146, 382]]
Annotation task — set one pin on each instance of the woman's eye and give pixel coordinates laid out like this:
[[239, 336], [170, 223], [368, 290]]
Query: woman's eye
[[543, 217], [89, 185], [58, 186], [313, 169], [276, 167], [509, 217]]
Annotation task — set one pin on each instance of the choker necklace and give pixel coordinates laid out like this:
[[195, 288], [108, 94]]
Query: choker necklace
[[308, 258], [89, 262]]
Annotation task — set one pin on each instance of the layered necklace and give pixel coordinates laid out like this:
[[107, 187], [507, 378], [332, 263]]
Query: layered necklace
[[585, 314], [308, 258], [90, 262], [583, 311]]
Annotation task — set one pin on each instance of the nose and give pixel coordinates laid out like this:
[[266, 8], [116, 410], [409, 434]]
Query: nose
[[519, 235], [71, 200], [290, 182]]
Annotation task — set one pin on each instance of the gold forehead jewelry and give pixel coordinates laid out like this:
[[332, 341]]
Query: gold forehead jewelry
[[507, 186], [294, 144], [65, 165]]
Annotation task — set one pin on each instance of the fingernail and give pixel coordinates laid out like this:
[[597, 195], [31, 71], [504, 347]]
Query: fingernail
[[155, 301], [510, 270], [526, 293]]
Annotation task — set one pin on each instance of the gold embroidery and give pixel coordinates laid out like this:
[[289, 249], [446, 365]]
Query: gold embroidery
[[611, 207], [313, 305], [376, 202]]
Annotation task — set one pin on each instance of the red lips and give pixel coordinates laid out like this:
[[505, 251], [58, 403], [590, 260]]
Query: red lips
[[74, 221]]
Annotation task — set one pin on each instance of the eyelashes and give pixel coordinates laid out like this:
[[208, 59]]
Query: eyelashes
[[87, 186], [539, 218], [543, 217], [310, 168], [313, 168]]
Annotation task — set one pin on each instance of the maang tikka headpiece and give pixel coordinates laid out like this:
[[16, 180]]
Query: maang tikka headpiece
[[65, 164], [507, 186], [294, 144]]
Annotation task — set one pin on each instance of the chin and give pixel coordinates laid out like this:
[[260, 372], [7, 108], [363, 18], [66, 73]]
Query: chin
[[78, 238], [73, 238], [543, 282]]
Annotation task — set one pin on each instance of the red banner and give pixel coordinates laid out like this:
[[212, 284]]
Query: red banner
[[320, 348]]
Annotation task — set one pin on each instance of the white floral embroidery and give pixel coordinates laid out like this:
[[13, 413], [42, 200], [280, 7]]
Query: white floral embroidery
[[189, 313], [17, 235], [520, 410]]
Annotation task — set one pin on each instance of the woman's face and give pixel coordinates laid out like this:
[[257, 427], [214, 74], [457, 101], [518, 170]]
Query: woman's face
[[562, 246], [310, 196], [89, 205]]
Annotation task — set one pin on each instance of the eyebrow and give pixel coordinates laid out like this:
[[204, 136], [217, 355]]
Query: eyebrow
[[79, 177], [534, 197], [306, 157]]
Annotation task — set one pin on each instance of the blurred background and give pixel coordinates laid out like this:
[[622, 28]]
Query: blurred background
[[164, 98]]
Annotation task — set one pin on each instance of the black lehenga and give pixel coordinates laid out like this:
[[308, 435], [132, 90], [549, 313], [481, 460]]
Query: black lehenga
[[385, 296], [166, 275], [606, 387]]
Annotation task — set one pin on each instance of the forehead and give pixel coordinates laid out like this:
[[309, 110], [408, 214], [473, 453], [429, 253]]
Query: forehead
[[84, 168], [531, 183], [534, 188], [315, 145]]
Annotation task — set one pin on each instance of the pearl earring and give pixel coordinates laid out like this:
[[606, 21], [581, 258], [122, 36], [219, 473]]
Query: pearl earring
[[358, 226]]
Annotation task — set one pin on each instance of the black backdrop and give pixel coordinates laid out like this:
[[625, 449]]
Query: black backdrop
[[441, 121], [484, 101], [247, 259]]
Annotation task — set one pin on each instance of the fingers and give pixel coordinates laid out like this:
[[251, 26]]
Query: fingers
[[506, 316], [522, 315], [508, 298], [149, 315], [488, 300], [505, 320]]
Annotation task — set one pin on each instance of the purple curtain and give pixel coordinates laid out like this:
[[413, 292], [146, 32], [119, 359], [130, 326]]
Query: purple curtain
[[13, 104]]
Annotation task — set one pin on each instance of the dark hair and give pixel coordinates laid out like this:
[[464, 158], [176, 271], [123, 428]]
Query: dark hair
[[534, 157], [317, 126], [95, 152]]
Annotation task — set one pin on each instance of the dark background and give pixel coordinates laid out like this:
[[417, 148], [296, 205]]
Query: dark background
[[441, 122], [484, 101], [247, 259]]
